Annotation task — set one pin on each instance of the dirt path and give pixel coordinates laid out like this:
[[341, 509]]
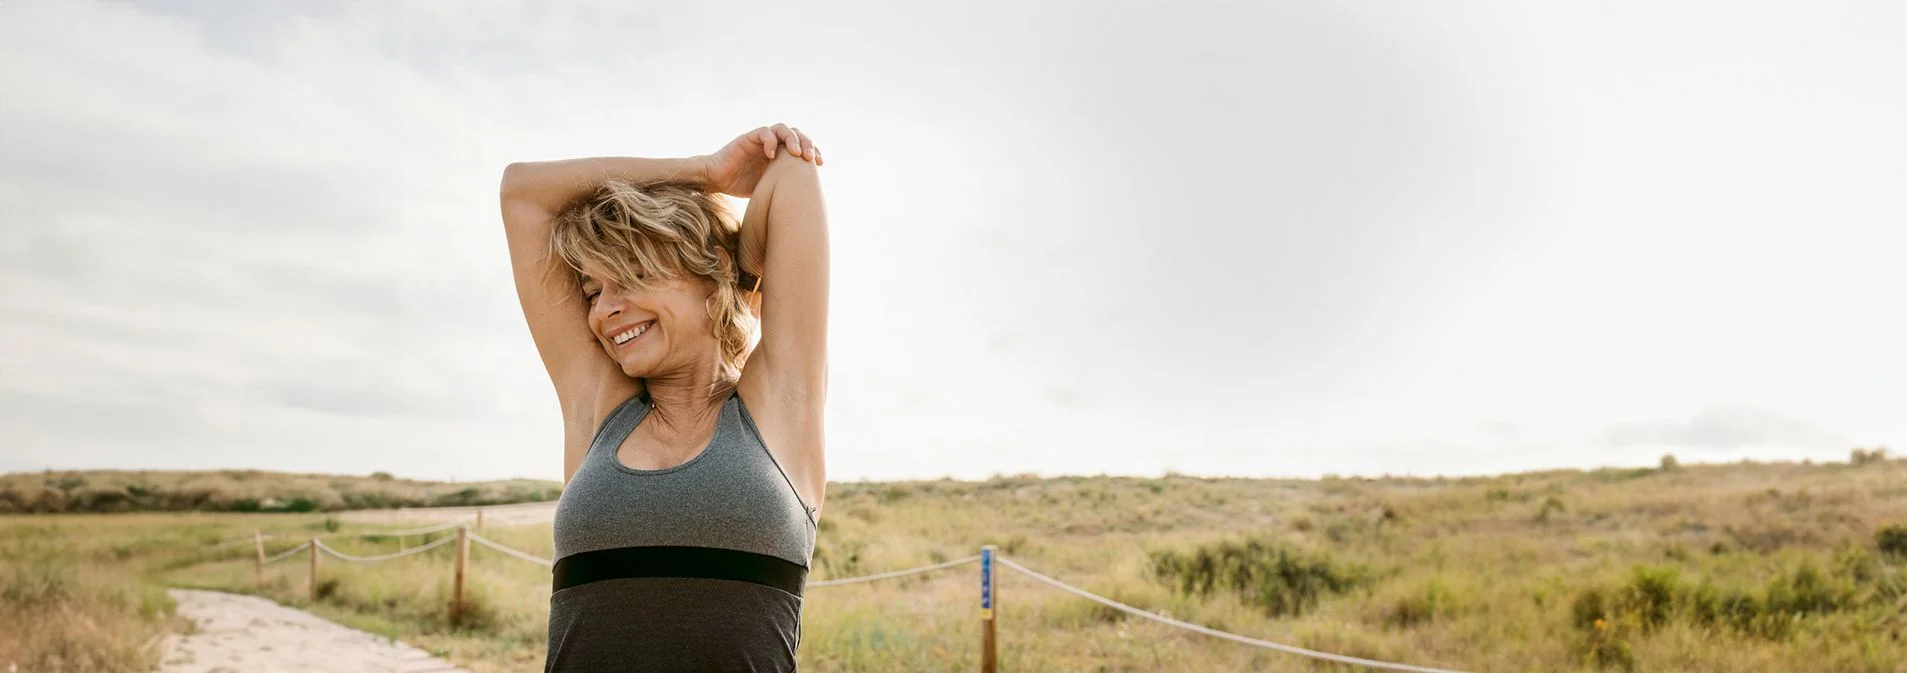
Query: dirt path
[[242, 634]]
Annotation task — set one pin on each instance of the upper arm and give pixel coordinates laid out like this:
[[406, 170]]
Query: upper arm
[[785, 227], [558, 318]]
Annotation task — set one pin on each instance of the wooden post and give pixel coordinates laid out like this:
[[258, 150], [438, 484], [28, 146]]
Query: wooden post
[[479, 518], [311, 580], [258, 545], [989, 600], [457, 591]]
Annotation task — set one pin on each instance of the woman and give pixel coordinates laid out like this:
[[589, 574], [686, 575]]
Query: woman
[[692, 451]]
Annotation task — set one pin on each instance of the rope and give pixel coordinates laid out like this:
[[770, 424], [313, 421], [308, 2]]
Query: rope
[[1082, 593], [416, 531], [499, 547], [394, 533], [228, 543], [287, 553], [386, 557], [897, 573]]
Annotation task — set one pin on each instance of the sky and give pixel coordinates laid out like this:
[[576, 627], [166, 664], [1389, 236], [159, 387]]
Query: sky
[[1239, 238]]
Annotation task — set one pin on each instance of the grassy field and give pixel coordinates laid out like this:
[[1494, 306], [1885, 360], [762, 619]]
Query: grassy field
[[1740, 567], [247, 491]]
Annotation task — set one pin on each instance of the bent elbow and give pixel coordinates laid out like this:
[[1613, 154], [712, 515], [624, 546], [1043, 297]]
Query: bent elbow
[[512, 183]]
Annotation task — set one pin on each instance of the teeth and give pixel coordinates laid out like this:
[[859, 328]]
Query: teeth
[[631, 334]]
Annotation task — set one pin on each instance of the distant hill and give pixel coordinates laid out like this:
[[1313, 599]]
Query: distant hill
[[248, 491]]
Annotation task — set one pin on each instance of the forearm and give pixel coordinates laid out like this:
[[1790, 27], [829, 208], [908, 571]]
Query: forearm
[[552, 185]]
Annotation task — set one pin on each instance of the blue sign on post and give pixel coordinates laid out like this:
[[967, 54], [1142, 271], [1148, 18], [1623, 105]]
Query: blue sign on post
[[986, 583]]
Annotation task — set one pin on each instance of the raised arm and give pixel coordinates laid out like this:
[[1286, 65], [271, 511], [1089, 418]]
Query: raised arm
[[585, 377], [587, 381], [785, 233], [532, 195]]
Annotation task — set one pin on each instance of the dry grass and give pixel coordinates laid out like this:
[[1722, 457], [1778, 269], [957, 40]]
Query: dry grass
[[247, 491], [1483, 574]]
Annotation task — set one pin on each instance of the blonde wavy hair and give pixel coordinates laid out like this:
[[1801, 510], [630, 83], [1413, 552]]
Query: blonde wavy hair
[[642, 235]]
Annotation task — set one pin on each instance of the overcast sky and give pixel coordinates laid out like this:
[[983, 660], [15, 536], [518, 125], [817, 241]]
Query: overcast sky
[[1248, 238]]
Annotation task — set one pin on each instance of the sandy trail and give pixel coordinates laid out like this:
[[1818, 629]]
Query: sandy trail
[[243, 634]]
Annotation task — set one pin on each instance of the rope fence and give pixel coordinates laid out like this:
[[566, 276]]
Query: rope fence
[[287, 553], [386, 557], [382, 533], [987, 558], [418, 531], [897, 573], [487, 542]]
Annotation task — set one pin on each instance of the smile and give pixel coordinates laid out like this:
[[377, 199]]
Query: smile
[[631, 334]]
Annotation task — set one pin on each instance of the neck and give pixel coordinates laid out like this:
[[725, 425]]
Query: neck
[[685, 400]]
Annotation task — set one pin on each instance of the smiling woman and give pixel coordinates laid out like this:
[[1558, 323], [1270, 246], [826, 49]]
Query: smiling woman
[[693, 450], [667, 243]]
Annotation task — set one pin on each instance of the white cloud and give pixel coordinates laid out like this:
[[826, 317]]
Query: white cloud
[[1282, 239]]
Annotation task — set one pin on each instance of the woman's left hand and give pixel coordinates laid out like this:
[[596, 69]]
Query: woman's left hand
[[735, 168]]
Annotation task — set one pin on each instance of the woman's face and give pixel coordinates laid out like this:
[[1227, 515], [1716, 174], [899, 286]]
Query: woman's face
[[651, 331]]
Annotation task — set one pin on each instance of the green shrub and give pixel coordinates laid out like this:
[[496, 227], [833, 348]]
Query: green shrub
[[1892, 540], [1651, 594], [1603, 648], [1281, 580], [1656, 596], [1430, 602], [1808, 591]]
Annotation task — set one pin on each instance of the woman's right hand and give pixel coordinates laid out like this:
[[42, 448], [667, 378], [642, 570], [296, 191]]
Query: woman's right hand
[[738, 166]]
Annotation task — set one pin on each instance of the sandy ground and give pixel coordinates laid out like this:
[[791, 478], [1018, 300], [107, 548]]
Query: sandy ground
[[245, 634], [509, 515]]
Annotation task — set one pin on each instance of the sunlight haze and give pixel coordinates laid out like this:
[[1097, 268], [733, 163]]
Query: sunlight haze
[[1072, 238]]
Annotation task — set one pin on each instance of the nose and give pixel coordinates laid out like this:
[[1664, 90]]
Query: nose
[[609, 303]]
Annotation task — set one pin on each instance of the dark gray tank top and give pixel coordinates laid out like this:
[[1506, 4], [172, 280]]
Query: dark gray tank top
[[696, 567]]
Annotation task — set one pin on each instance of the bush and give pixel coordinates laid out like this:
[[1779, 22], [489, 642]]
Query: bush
[[1651, 594], [1669, 463], [1892, 540], [1430, 602], [1603, 648], [1282, 581], [1656, 596], [1859, 457], [1551, 505]]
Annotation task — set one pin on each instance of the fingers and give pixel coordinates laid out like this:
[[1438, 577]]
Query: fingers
[[767, 138], [789, 138], [807, 143], [782, 135]]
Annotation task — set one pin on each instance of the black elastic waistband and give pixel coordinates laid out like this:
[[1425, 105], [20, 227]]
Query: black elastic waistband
[[696, 562]]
